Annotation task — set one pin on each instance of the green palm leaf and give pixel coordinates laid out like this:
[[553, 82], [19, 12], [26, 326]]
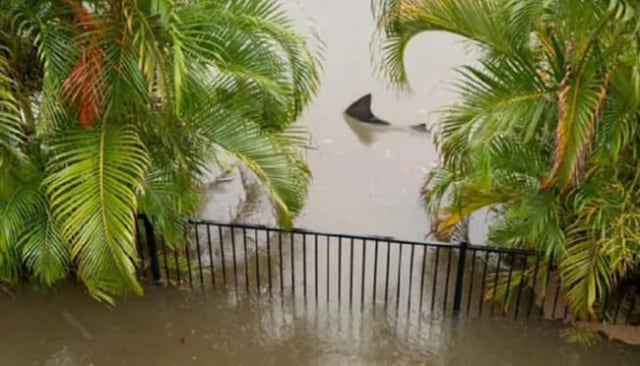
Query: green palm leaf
[[93, 181], [11, 130], [162, 88], [20, 199], [253, 50], [586, 277], [579, 104], [43, 249], [275, 161], [485, 23], [545, 130]]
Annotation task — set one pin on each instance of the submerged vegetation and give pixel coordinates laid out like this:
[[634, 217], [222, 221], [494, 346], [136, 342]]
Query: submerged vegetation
[[109, 108], [545, 134]]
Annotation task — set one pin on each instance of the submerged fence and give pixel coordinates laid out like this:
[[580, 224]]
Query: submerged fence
[[367, 272]]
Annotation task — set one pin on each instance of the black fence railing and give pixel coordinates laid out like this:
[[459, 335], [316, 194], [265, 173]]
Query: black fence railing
[[366, 272]]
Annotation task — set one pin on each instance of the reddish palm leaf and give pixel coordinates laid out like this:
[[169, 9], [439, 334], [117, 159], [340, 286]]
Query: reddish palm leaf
[[85, 86], [561, 133], [602, 95]]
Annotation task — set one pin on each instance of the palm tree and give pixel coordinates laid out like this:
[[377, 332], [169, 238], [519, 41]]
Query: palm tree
[[545, 132], [110, 108]]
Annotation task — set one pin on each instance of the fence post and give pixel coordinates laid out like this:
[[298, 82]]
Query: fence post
[[462, 258], [153, 251]]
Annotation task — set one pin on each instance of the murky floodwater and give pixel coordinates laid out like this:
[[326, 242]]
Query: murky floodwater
[[177, 328], [357, 188]]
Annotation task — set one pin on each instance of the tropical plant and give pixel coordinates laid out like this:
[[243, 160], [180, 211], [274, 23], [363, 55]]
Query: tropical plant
[[545, 132], [109, 108]]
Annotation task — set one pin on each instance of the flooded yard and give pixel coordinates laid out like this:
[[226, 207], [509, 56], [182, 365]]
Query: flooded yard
[[175, 328], [357, 188]]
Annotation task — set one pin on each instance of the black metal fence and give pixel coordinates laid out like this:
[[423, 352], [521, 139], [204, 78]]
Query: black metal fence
[[365, 272]]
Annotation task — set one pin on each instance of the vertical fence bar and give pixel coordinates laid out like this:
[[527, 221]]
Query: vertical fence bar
[[471, 277], [269, 262], [211, 258], [362, 283], [424, 265], [235, 261], [304, 265], [153, 250], [257, 255], [543, 301], [555, 301], [435, 280], [315, 266], [411, 258], [177, 263], [281, 271], [222, 257], [495, 283], [462, 261], [293, 266], [508, 291], [535, 282], [328, 239], [446, 283], [351, 275], [188, 258], [515, 316], [387, 270], [246, 259], [375, 272], [199, 256], [483, 287], [339, 269], [399, 276]]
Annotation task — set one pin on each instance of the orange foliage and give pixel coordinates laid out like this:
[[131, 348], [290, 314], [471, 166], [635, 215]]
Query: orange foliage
[[85, 86]]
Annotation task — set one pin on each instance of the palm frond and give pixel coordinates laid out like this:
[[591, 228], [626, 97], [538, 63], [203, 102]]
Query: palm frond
[[43, 249], [485, 23], [585, 277], [20, 199], [161, 87], [11, 128], [277, 165], [93, 180], [579, 103], [253, 47]]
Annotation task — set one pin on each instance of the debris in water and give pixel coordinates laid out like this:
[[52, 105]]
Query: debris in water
[[73, 322], [422, 127], [226, 176]]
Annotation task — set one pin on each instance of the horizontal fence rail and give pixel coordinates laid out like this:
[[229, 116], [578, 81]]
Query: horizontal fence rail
[[366, 272]]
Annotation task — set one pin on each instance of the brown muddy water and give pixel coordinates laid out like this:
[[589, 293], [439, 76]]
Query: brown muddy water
[[357, 188], [176, 328]]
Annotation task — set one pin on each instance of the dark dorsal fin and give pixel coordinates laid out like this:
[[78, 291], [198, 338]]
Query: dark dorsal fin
[[361, 111], [421, 127]]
